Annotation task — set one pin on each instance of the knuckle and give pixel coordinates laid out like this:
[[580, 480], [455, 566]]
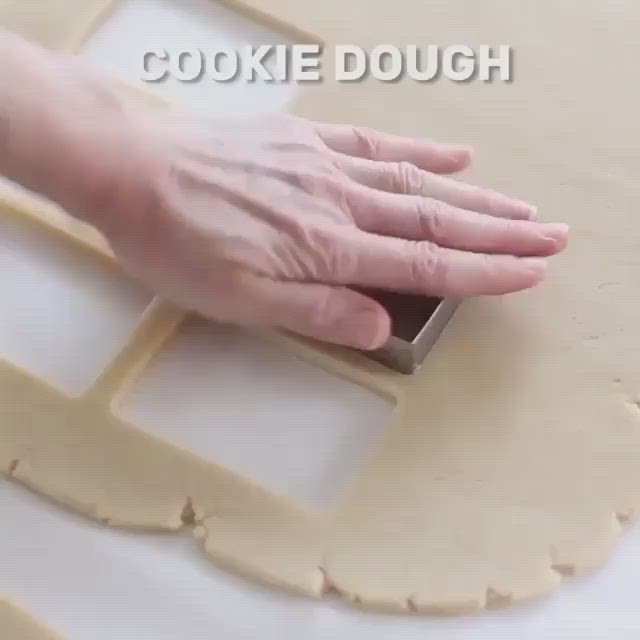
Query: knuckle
[[432, 218], [427, 266], [409, 179], [306, 181], [367, 142], [321, 183]]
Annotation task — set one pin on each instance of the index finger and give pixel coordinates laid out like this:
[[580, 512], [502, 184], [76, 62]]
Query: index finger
[[363, 142]]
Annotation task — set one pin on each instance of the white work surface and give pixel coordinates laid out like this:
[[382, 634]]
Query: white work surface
[[302, 432]]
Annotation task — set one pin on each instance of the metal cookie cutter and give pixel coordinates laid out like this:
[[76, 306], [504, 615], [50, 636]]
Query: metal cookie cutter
[[417, 322]]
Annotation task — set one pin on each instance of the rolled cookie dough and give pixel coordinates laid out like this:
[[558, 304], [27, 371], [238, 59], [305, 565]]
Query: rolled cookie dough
[[58, 24], [15, 624], [513, 456]]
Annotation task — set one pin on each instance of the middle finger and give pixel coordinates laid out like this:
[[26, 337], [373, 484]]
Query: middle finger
[[418, 218]]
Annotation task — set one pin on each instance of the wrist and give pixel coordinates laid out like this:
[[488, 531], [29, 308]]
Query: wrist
[[65, 132]]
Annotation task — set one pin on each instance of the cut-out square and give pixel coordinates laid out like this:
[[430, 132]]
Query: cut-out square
[[63, 314], [138, 26], [244, 403]]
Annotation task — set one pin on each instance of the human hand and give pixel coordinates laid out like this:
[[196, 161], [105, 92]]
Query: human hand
[[271, 221]]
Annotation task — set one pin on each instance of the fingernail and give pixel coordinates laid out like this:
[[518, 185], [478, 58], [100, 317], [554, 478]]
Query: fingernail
[[557, 232], [532, 211], [537, 266]]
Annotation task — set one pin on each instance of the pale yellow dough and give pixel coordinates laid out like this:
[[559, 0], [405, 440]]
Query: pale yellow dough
[[515, 453], [59, 24], [16, 624]]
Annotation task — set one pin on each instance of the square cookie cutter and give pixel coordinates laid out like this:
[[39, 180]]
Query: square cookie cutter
[[416, 323]]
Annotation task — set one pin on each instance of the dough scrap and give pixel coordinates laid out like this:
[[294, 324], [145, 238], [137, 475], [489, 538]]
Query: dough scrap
[[513, 457], [16, 624]]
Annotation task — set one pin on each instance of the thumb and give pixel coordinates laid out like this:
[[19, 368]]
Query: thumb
[[330, 314]]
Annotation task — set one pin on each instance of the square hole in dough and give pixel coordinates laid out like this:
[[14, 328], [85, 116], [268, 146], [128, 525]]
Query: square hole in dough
[[63, 314], [138, 26], [244, 403]]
